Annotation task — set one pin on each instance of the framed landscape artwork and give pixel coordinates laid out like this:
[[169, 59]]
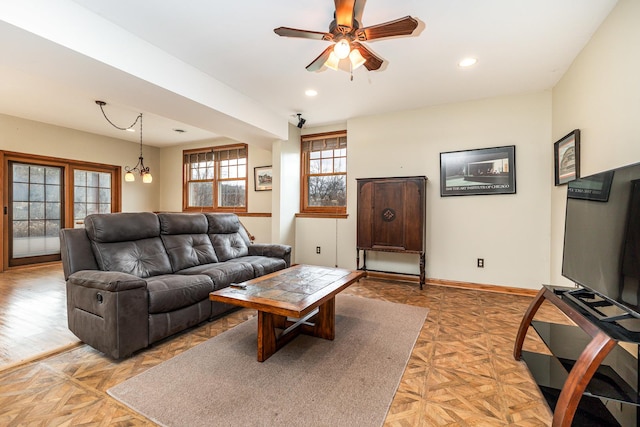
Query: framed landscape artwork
[[566, 156], [263, 178], [479, 171]]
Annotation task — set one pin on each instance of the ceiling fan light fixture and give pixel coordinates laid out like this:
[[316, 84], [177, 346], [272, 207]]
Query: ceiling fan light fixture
[[333, 61], [341, 49], [356, 59]]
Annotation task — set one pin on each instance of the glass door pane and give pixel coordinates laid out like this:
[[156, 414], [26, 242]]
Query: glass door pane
[[91, 194], [35, 212]]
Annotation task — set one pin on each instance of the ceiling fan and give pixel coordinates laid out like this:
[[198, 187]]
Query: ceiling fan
[[347, 34]]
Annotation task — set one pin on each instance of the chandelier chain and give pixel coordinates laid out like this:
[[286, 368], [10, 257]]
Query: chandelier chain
[[115, 125]]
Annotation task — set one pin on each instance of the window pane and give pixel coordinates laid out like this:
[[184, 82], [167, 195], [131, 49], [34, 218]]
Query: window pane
[[105, 180], [36, 210], [36, 192], [327, 153], [36, 228], [80, 177], [231, 193], [340, 164], [200, 194], [20, 210], [93, 179], [105, 208], [314, 155], [20, 228], [92, 208], [104, 195], [79, 211], [327, 191], [92, 195], [327, 165], [20, 173], [52, 176], [52, 193], [20, 192], [79, 194], [37, 174], [52, 211], [314, 166], [52, 228]]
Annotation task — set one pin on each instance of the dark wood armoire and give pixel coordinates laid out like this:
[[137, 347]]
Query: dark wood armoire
[[391, 217]]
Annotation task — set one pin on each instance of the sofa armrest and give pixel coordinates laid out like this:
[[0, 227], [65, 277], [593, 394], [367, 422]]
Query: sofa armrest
[[272, 250], [113, 281], [109, 311]]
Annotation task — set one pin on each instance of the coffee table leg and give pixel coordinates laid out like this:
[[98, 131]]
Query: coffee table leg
[[324, 326], [266, 336], [324, 322]]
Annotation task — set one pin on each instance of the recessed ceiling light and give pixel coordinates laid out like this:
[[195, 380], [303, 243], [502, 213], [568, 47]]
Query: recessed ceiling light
[[467, 62], [311, 92]]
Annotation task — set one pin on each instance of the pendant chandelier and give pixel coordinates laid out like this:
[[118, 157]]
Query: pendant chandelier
[[139, 168]]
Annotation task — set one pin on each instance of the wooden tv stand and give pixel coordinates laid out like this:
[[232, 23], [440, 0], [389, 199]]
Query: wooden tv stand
[[589, 376]]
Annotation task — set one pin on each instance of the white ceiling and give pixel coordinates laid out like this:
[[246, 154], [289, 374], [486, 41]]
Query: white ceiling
[[216, 68]]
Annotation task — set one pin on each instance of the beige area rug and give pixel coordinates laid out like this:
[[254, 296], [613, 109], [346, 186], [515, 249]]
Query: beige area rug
[[350, 381]]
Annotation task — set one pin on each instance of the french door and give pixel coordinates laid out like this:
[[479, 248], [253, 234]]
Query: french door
[[43, 195], [35, 213]]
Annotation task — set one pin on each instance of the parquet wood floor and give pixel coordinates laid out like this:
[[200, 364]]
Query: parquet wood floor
[[461, 371], [33, 313]]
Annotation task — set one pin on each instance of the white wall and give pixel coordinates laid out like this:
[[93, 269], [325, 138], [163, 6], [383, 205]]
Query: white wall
[[26, 136], [511, 232], [286, 189], [600, 95]]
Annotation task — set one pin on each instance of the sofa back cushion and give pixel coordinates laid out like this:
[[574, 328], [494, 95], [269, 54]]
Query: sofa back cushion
[[185, 239], [128, 242], [227, 235]]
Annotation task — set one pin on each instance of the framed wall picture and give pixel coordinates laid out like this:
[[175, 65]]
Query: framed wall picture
[[479, 171], [263, 178], [566, 158]]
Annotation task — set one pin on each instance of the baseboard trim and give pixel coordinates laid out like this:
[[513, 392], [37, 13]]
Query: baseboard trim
[[454, 284]]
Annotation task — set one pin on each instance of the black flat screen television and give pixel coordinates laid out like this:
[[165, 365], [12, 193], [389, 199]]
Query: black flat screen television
[[602, 243]]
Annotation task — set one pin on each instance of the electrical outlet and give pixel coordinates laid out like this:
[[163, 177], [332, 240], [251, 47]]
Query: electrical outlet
[[317, 249], [480, 262]]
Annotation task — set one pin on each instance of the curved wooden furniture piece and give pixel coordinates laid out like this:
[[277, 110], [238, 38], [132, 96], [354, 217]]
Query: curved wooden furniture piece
[[586, 365]]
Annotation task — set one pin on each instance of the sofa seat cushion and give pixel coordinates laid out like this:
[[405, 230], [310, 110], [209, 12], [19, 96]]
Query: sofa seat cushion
[[223, 274], [261, 264], [170, 292]]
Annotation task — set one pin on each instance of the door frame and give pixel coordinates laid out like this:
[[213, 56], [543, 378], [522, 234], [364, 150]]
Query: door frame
[[68, 166]]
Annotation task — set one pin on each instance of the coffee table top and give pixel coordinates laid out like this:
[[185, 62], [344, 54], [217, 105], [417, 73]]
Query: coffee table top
[[294, 291]]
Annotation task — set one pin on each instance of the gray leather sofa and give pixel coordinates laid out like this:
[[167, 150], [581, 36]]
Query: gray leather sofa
[[135, 278]]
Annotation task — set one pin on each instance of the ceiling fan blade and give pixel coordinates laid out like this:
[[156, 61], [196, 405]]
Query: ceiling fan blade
[[372, 62], [320, 60], [344, 13], [303, 34], [358, 8], [399, 27]]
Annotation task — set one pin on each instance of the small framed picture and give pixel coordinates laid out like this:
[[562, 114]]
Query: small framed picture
[[566, 157], [263, 178]]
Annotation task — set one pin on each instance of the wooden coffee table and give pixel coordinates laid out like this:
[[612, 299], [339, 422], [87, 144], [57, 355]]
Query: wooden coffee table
[[299, 299]]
